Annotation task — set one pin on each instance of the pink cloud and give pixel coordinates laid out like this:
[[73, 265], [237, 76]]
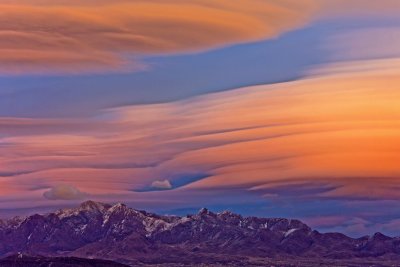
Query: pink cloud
[[328, 137]]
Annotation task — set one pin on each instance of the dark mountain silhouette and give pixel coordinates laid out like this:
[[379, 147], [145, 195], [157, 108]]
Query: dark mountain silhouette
[[20, 260], [125, 235]]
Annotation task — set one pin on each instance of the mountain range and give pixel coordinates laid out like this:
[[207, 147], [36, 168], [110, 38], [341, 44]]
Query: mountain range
[[138, 238]]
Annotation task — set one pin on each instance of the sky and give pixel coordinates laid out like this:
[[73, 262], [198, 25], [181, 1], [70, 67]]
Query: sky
[[271, 108]]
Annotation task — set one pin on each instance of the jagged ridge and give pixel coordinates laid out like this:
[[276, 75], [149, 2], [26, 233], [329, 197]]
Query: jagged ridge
[[97, 230]]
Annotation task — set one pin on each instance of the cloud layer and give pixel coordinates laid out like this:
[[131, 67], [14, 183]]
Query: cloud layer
[[328, 137], [94, 36], [89, 36]]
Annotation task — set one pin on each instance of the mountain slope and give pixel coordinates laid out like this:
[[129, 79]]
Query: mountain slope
[[31, 261], [119, 233]]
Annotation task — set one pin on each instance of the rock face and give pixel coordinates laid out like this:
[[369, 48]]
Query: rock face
[[119, 233]]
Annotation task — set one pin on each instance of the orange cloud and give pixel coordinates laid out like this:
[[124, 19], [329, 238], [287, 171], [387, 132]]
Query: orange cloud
[[61, 36], [333, 135], [65, 36]]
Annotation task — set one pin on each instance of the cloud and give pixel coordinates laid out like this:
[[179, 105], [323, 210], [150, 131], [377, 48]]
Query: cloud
[[359, 8], [95, 36], [364, 44], [164, 184], [323, 139], [64, 192], [327, 137]]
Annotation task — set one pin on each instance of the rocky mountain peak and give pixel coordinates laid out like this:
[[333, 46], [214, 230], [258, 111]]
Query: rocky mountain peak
[[204, 211], [119, 232], [380, 237], [94, 206]]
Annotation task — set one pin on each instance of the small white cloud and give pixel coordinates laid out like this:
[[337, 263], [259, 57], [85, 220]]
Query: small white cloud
[[64, 192], [165, 184]]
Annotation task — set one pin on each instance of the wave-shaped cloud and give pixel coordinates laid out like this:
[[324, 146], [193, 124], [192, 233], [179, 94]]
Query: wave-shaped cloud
[[57, 36], [94, 36], [329, 136]]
